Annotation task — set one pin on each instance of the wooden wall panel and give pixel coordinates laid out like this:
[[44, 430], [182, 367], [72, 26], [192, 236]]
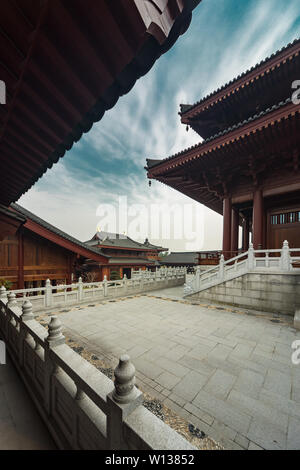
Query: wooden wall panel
[[278, 233], [42, 259]]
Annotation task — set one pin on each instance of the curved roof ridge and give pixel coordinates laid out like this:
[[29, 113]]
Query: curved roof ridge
[[186, 108]]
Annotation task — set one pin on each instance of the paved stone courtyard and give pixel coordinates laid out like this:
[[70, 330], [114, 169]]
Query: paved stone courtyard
[[228, 372]]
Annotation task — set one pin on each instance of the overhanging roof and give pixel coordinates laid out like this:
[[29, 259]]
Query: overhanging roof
[[64, 64], [208, 171], [251, 92], [39, 226]]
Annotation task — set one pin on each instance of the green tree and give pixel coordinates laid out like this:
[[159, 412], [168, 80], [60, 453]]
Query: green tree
[[7, 284], [115, 275]]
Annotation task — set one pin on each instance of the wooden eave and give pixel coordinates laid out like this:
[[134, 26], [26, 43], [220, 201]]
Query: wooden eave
[[64, 243], [220, 153], [234, 88], [210, 146], [65, 63]]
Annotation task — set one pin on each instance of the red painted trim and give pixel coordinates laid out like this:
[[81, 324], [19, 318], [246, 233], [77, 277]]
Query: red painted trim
[[68, 245]]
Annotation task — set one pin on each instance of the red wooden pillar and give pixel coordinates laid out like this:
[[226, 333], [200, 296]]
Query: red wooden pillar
[[105, 272], [234, 232], [70, 270], [258, 214], [246, 234], [227, 206], [20, 260]]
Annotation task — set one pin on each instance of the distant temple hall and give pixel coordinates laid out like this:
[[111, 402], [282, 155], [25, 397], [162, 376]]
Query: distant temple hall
[[33, 250], [247, 167], [123, 254]]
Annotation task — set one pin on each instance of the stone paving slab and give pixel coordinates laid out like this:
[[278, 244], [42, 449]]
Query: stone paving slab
[[228, 371]]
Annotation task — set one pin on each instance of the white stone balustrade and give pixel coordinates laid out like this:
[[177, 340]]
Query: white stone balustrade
[[82, 408], [43, 298], [252, 261]]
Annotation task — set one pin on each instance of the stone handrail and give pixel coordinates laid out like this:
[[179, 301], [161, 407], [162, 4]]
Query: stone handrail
[[250, 261], [82, 408], [58, 296]]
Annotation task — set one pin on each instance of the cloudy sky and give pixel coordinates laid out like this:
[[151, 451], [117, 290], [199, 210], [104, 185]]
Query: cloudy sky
[[103, 175]]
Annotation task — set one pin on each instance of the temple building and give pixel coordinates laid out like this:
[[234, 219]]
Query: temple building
[[191, 259], [180, 259], [36, 251], [247, 166], [124, 256]]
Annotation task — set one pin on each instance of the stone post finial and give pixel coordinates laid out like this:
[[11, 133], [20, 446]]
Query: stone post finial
[[55, 336], [222, 267], [285, 260], [125, 390], [80, 289], [27, 311], [3, 292], [251, 258], [48, 294], [197, 278], [12, 299], [105, 291]]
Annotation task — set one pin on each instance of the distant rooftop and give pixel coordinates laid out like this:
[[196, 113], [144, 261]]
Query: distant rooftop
[[109, 239], [190, 258]]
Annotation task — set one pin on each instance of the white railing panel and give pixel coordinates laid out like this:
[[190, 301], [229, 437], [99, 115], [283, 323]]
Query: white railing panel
[[245, 262]]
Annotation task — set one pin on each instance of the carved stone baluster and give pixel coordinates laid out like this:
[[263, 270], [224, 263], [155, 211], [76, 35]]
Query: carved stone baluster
[[12, 302], [125, 389], [285, 260], [267, 260], [222, 268], [3, 293], [80, 289], [27, 313], [251, 258], [105, 286], [55, 338], [122, 401]]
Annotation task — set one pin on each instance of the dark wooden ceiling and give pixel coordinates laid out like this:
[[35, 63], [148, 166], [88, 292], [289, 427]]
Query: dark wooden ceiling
[[64, 63]]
